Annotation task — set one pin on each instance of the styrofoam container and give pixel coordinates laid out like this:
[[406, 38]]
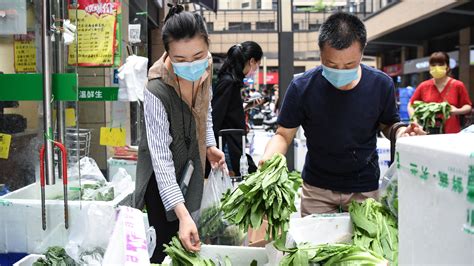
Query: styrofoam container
[[29, 260], [237, 255], [20, 219], [433, 209], [321, 229]]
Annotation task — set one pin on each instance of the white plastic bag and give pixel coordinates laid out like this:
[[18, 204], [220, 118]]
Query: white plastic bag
[[122, 181], [213, 229], [88, 170], [91, 232], [132, 78], [389, 190]]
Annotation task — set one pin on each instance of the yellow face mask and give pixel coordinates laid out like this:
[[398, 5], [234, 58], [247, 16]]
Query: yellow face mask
[[438, 71]]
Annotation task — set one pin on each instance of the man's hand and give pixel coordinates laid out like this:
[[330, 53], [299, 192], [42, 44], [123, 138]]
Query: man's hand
[[412, 130], [188, 233], [279, 143], [216, 157]]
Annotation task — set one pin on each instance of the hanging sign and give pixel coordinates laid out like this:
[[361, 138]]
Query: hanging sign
[[114, 137], [24, 50], [96, 22], [5, 141]]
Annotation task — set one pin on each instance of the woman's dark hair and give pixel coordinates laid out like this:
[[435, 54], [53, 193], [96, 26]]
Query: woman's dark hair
[[441, 58], [237, 56], [180, 25], [341, 30]]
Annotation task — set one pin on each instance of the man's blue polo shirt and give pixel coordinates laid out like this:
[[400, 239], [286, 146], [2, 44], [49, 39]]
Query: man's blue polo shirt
[[340, 127]]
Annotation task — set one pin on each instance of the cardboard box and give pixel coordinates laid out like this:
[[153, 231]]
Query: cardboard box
[[436, 199]]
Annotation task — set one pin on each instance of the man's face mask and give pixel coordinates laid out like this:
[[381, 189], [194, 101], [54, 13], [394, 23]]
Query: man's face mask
[[191, 71], [340, 77]]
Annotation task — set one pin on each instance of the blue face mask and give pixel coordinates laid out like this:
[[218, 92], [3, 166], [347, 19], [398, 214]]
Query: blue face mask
[[191, 71], [340, 77]]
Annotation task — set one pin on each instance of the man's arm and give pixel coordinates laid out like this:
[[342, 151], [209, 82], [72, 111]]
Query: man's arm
[[279, 143]]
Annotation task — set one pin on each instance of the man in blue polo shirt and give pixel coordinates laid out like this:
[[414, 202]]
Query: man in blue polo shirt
[[340, 105]]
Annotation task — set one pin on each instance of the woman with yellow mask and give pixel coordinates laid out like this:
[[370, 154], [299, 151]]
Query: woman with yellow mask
[[443, 88]]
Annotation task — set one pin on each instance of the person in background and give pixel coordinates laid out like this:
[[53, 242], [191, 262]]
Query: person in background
[[242, 61], [443, 88], [340, 106], [178, 132]]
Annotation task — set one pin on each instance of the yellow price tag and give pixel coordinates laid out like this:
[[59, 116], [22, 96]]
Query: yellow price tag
[[5, 141], [70, 117], [114, 137]]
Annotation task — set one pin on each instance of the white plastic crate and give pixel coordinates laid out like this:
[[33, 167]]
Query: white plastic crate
[[237, 255], [436, 217], [20, 220]]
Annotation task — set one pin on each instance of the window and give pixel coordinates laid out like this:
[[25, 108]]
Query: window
[[259, 4], [274, 4], [239, 26], [265, 25], [314, 26], [210, 26], [246, 5], [296, 26]]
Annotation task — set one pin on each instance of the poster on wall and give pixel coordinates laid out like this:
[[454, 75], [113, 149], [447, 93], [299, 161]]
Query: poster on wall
[[24, 50], [96, 22]]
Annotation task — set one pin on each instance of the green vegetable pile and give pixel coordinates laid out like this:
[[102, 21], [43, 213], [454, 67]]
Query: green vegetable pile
[[375, 228], [268, 193], [427, 113], [181, 257], [99, 191], [55, 256], [215, 230], [328, 254]]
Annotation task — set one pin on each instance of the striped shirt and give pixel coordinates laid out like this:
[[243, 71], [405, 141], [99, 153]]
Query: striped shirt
[[159, 141]]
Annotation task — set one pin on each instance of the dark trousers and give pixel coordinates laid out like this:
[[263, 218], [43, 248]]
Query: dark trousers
[[157, 218]]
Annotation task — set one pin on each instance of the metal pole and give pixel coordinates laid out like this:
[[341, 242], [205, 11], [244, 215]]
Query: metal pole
[[265, 72], [59, 56], [286, 56], [48, 125]]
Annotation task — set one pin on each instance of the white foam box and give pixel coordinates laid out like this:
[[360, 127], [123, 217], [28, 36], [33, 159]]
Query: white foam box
[[321, 229], [113, 165], [29, 260], [20, 217], [237, 255], [436, 215]]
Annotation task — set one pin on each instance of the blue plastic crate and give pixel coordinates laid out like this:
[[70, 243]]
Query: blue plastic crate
[[8, 259]]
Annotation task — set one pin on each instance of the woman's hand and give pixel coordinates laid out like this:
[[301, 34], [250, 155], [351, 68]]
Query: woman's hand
[[216, 157], [454, 110], [412, 130], [188, 233]]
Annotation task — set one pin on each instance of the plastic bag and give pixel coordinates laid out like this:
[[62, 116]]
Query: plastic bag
[[89, 170], [389, 190], [91, 232], [122, 181], [213, 229]]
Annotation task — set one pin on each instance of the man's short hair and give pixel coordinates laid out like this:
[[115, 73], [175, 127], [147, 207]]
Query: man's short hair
[[341, 30]]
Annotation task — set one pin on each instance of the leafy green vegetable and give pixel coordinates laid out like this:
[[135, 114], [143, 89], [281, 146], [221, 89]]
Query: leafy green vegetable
[[182, 257], [215, 230], [328, 254], [55, 256], [427, 114], [268, 193], [375, 228], [390, 197]]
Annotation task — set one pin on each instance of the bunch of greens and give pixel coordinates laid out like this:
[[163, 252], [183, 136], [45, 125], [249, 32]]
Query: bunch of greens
[[328, 254], [180, 256], [215, 230], [427, 113], [98, 191], [268, 193], [375, 228], [55, 256]]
